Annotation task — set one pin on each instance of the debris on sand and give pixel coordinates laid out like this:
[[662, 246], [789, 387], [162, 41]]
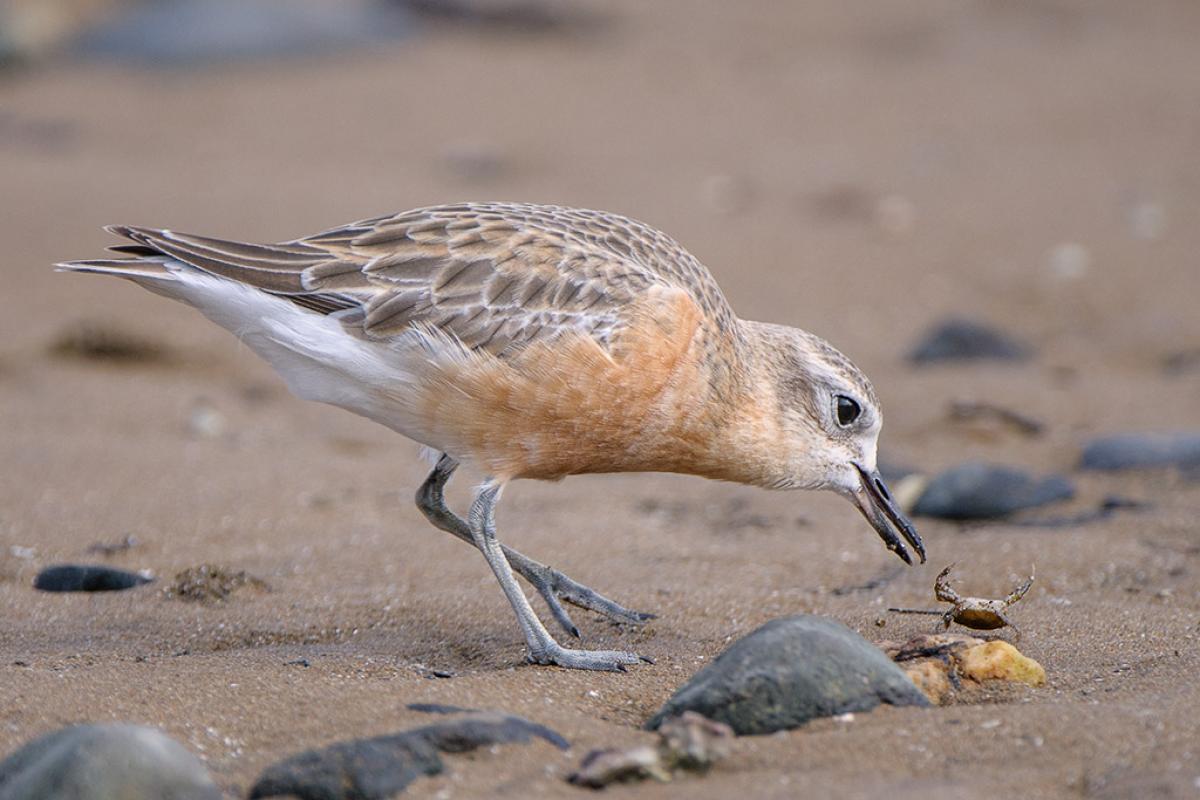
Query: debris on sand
[[97, 341], [208, 584], [382, 766], [980, 412], [112, 548], [790, 671], [689, 742], [87, 578], [939, 664]]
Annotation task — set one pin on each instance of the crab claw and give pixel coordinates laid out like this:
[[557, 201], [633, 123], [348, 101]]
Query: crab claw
[[876, 504]]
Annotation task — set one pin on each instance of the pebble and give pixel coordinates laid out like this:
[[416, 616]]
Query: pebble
[[790, 671], [193, 32], [99, 341], [967, 340], [205, 421], [1143, 451], [1147, 220], [688, 742], [977, 490], [381, 766], [999, 661], [1069, 261], [896, 214], [109, 761], [940, 663], [87, 578]]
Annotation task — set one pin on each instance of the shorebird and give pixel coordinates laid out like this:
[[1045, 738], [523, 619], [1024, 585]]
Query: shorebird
[[534, 341]]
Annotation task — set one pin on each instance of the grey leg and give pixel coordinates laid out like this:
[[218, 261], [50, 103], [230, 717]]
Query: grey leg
[[550, 583], [542, 647]]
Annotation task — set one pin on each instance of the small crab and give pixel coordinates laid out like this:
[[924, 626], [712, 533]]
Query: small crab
[[971, 612]]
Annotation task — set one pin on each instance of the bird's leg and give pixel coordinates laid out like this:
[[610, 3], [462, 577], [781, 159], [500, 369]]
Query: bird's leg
[[542, 647], [550, 583]]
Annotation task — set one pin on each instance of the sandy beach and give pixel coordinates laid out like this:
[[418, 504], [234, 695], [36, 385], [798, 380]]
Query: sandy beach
[[860, 174]]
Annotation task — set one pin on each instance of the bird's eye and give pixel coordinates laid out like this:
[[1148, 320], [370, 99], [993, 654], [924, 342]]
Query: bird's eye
[[847, 410]]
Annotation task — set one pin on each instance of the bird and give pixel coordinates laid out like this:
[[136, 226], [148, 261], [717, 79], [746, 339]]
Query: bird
[[534, 342]]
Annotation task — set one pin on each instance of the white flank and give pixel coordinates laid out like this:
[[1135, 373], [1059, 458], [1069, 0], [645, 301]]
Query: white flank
[[317, 358]]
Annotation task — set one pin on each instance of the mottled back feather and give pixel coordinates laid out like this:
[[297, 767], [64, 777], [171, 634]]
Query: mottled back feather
[[495, 276]]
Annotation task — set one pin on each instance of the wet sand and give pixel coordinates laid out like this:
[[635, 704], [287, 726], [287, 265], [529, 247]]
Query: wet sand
[[859, 175]]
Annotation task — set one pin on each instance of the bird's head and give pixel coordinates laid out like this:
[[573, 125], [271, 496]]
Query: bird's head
[[829, 422]]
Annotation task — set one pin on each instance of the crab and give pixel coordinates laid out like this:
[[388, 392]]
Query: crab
[[971, 612]]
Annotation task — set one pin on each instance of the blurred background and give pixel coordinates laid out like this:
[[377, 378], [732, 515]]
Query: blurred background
[[859, 169]]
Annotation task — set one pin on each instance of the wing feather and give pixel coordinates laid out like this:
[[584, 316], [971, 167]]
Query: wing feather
[[498, 277]]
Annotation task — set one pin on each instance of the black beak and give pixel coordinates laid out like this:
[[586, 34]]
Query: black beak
[[876, 504]]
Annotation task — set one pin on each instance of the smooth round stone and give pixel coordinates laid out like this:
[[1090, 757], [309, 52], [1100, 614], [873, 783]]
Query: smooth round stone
[[1143, 451], [86, 578], [984, 491], [966, 340], [110, 761], [790, 671]]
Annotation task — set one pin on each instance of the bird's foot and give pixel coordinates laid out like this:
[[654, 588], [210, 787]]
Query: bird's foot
[[553, 586], [602, 660]]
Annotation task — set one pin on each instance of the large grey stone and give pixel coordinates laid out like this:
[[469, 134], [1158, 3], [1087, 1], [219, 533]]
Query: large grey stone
[[110, 761], [982, 491], [790, 671], [1143, 451]]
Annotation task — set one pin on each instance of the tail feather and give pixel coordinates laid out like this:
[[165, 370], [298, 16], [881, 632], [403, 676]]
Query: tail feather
[[135, 269], [272, 268]]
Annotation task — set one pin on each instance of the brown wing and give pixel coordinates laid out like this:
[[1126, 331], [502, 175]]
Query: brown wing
[[496, 276]]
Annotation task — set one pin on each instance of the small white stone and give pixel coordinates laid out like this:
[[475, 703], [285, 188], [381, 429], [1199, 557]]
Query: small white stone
[[896, 214], [205, 421], [1069, 260], [1147, 220]]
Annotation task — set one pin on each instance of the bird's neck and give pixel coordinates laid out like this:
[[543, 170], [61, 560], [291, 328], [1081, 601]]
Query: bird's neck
[[735, 428]]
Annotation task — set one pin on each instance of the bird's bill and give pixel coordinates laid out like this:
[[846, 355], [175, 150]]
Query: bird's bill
[[876, 504]]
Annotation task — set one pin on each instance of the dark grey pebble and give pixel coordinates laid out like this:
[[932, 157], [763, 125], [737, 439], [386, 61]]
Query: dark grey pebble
[[1143, 451], [438, 708], [86, 578], [379, 767], [963, 340], [982, 491], [790, 671], [110, 761], [192, 32]]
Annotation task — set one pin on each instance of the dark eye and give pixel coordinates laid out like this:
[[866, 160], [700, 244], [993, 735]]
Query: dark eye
[[847, 410]]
